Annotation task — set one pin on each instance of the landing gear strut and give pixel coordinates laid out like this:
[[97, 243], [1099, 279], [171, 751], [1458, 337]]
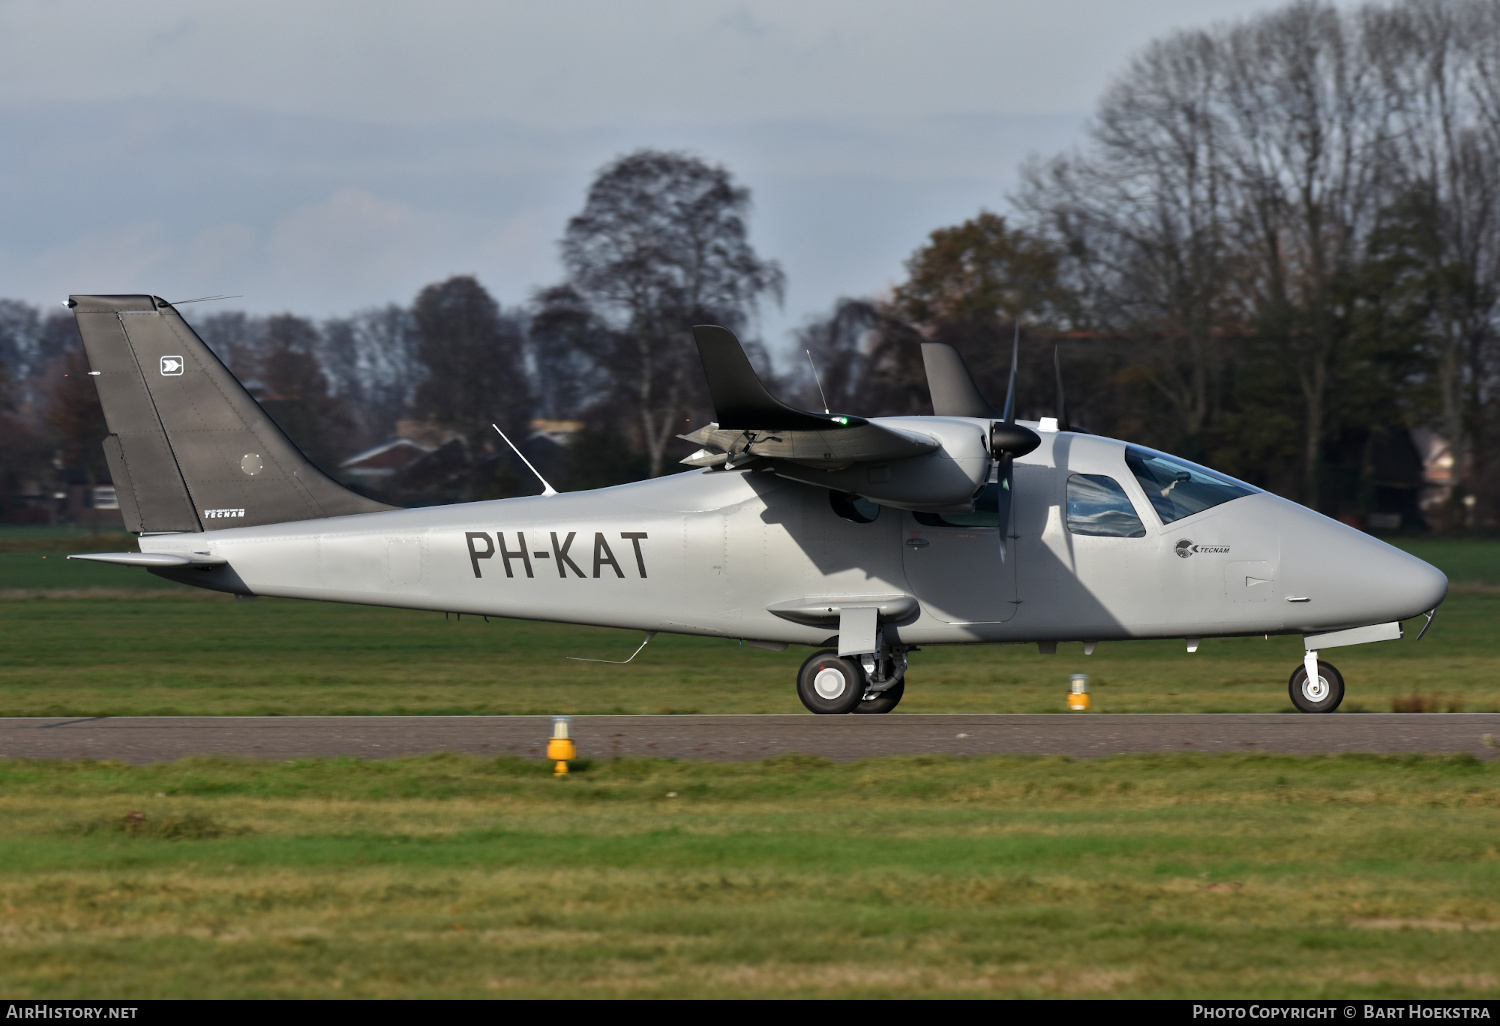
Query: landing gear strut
[[830, 684], [885, 677], [1321, 694]]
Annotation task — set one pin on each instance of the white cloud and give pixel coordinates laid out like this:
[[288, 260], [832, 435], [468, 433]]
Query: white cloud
[[589, 63]]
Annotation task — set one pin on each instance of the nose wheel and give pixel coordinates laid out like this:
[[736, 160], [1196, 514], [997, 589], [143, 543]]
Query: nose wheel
[[1321, 694]]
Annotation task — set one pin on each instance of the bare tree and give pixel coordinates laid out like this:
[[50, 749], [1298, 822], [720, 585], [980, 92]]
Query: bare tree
[[661, 244], [372, 363], [1439, 61], [1311, 126], [473, 355], [1141, 214]]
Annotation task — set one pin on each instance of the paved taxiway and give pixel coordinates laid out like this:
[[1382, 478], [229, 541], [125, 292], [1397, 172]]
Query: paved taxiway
[[142, 739]]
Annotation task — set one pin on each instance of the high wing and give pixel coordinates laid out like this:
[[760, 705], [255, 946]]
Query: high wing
[[752, 424], [939, 464]]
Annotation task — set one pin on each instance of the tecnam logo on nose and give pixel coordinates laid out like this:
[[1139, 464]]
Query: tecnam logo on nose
[[1186, 548]]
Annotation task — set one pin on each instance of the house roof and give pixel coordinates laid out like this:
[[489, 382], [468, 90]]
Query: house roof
[[391, 455]]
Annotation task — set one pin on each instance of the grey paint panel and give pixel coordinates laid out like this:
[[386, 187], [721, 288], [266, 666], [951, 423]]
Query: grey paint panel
[[145, 457], [183, 419]]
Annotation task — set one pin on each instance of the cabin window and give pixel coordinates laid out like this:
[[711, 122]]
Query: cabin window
[[853, 508], [986, 512], [1098, 506], [1177, 488]]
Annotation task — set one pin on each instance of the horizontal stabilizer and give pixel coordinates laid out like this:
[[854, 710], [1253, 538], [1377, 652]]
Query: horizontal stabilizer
[[148, 559], [740, 401]]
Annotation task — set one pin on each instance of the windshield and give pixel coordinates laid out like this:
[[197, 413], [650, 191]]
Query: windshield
[[1178, 488]]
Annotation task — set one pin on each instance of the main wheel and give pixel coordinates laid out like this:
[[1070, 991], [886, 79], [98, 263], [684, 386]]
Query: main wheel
[[1320, 696], [883, 702], [829, 685]]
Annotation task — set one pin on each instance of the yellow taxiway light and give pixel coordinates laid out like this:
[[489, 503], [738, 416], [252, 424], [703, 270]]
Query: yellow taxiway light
[[1078, 693], [561, 747]]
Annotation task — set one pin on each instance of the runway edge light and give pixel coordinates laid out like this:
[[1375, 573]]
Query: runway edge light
[[1078, 692], [561, 747]]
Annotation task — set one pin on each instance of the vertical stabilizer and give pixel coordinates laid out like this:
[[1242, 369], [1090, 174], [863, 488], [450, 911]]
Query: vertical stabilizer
[[952, 387], [189, 449]]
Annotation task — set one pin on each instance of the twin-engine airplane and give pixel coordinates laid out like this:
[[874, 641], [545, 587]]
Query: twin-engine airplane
[[861, 538]]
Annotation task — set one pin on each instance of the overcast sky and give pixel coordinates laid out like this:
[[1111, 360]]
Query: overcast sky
[[321, 157]]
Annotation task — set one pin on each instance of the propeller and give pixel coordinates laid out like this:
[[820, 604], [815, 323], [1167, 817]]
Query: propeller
[[1062, 403], [1009, 440]]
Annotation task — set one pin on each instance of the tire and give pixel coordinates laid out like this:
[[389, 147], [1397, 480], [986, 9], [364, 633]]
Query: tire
[[829, 685], [883, 702], [1317, 699]]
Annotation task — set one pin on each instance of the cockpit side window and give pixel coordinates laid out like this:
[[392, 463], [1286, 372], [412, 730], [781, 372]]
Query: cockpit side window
[[1178, 488], [1098, 506]]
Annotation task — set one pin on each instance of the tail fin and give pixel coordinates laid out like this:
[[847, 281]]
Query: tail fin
[[189, 449], [954, 393]]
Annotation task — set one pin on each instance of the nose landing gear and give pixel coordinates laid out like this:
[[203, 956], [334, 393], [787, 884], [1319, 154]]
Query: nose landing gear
[[1320, 694]]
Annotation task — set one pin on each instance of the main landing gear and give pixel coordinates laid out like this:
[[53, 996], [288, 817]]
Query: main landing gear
[[1319, 694], [830, 684]]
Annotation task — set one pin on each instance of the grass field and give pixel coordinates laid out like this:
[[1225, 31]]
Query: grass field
[[1163, 876], [81, 639]]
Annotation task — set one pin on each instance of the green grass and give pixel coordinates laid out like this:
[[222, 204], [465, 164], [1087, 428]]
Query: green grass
[[1161, 876], [45, 567], [165, 649], [1466, 561], [166, 656]]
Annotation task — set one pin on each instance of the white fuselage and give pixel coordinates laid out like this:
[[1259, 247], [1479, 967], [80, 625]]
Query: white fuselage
[[711, 552]]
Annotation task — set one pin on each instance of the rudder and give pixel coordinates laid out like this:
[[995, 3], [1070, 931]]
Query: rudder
[[189, 449]]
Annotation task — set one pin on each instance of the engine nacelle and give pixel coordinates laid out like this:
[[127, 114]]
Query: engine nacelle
[[945, 480]]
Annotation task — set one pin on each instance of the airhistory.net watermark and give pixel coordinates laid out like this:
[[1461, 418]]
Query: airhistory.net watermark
[[43, 1010]]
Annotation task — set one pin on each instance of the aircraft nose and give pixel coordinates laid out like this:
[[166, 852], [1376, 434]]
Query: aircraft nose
[[1426, 585], [1348, 578]]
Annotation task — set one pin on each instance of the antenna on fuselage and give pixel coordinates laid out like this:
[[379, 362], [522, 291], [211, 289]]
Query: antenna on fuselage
[[817, 380], [546, 488]]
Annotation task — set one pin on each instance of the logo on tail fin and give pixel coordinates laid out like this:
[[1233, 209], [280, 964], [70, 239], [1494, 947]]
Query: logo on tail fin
[[171, 366]]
